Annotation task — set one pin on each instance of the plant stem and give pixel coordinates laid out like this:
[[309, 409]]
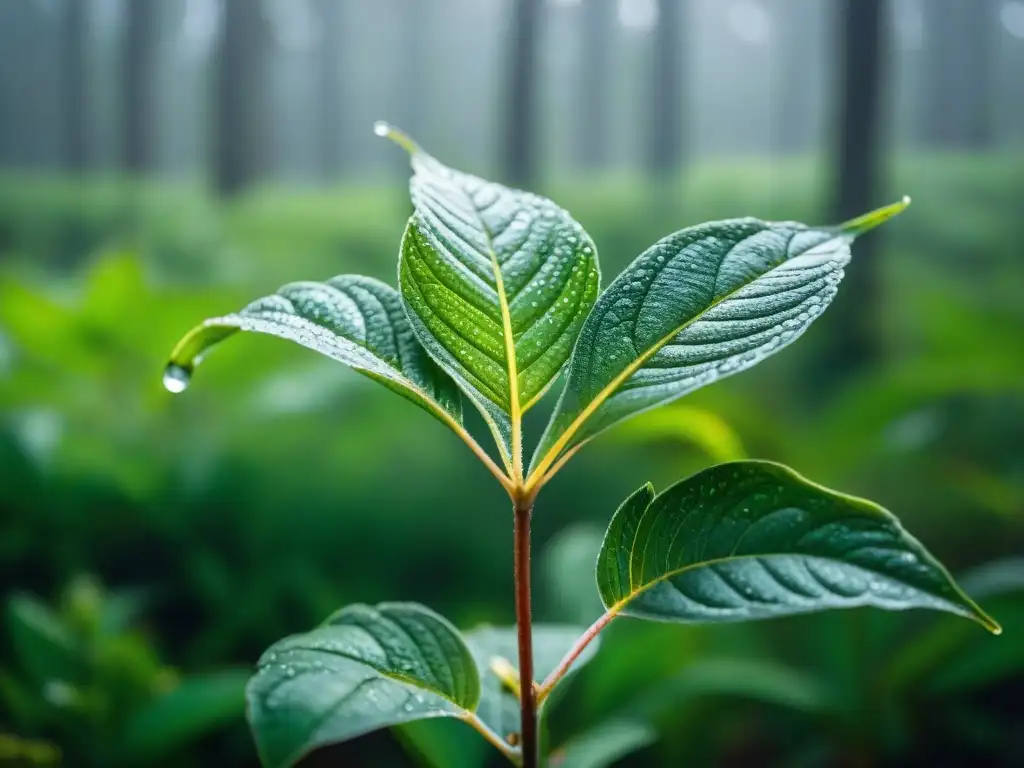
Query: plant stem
[[574, 653], [524, 624]]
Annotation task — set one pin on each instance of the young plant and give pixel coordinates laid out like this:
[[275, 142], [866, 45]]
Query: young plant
[[498, 296]]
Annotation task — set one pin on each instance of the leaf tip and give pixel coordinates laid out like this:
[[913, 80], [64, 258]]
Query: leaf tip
[[990, 624], [872, 219], [385, 130]]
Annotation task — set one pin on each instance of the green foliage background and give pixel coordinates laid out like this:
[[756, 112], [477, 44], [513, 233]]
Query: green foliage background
[[283, 486]]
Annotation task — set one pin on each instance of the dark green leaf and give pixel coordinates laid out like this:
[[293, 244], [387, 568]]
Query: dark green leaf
[[364, 668], [197, 706], [603, 746], [703, 303], [752, 540], [498, 283], [45, 646], [353, 319], [498, 708]]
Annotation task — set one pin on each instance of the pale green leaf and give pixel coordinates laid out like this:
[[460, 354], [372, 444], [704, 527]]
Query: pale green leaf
[[701, 428], [499, 708], [603, 746], [752, 540], [365, 668], [355, 320], [703, 303], [498, 283]]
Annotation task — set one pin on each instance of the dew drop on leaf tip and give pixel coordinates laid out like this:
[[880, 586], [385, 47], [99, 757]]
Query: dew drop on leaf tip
[[176, 378]]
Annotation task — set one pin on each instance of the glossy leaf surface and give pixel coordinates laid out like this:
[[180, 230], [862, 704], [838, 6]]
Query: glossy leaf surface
[[355, 320], [364, 668], [752, 540], [703, 303], [498, 283], [499, 708]]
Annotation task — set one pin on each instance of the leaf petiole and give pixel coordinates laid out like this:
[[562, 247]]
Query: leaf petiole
[[574, 653]]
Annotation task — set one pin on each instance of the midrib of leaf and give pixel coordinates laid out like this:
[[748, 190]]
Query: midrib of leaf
[[549, 458], [981, 617], [515, 414]]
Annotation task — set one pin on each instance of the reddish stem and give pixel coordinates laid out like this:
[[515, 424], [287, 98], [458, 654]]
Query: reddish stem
[[524, 621], [574, 653]]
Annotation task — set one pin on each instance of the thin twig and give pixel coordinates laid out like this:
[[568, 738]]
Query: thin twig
[[574, 653]]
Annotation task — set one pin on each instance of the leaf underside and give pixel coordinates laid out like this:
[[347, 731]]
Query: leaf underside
[[750, 540], [703, 303], [365, 668], [356, 320], [481, 262]]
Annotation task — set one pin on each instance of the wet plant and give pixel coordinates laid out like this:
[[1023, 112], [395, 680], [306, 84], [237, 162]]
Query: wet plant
[[498, 300]]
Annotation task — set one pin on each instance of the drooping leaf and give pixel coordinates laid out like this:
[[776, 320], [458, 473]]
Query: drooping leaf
[[356, 320], [753, 539], [602, 746], [364, 668], [197, 706], [498, 283], [499, 708], [703, 303]]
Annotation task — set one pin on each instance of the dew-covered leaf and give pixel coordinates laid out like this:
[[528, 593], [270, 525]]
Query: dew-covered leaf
[[703, 303], [365, 668], [498, 283], [752, 540], [498, 707], [356, 320]]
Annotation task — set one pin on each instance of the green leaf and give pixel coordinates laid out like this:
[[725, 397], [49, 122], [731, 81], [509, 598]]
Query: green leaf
[[352, 319], [443, 743], [761, 680], [698, 427], [365, 668], [703, 303], [498, 283], [197, 706], [45, 647], [604, 745], [499, 708], [752, 540]]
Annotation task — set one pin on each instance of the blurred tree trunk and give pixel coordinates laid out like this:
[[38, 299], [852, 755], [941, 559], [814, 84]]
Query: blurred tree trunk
[[520, 118], [796, 94], [74, 32], [138, 102], [864, 51], [960, 42], [665, 147], [240, 130], [330, 88], [592, 131]]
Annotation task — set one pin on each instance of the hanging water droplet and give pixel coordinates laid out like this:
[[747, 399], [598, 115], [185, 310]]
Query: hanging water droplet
[[176, 378], [381, 128]]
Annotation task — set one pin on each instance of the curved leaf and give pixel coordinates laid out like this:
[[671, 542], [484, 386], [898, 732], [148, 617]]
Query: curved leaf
[[364, 668], [498, 283], [703, 303], [498, 707], [356, 320], [752, 539]]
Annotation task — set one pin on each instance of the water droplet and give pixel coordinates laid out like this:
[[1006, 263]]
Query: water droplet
[[380, 128], [176, 379]]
